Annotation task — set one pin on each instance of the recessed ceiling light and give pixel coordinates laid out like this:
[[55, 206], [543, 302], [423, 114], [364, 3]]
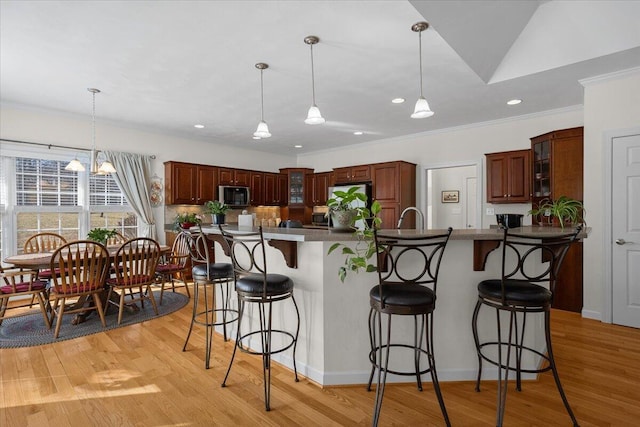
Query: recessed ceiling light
[[397, 100], [198, 126], [514, 101], [297, 146], [358, 132]]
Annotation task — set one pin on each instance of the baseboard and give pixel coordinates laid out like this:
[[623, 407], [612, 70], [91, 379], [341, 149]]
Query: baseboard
[[591, 314]]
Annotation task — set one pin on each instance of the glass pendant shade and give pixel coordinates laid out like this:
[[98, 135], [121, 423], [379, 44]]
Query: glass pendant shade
[[105, 168], [422, 109], [75, 166], [262, 131], [313, 116]]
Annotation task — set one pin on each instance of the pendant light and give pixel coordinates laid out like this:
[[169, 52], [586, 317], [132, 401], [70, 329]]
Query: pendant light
[[75, 166], [263, 130], [313, 116], [105, 167], [422, 109]]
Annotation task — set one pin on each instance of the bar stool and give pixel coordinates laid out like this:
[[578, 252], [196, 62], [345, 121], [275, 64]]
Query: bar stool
[[408, 268], [254, 285], [521, 290], [206, 275]]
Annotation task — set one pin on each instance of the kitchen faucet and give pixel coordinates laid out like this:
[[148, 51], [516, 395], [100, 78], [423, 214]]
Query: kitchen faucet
[[418, 214]]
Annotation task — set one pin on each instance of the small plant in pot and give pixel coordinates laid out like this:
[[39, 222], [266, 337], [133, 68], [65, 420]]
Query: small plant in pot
[[217, 209], [564, 210], [358, 257], [343, 208], [186, 220], [101, 235]]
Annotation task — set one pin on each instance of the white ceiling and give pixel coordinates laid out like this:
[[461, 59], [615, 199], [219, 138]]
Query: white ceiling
[[168, 65]]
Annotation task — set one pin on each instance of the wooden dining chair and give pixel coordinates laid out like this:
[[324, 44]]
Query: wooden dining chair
[[41, 243], [175, 265], [16, 283], [79, 271], [136, 262]]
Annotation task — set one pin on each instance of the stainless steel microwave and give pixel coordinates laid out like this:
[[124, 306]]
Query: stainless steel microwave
[[234, 196]]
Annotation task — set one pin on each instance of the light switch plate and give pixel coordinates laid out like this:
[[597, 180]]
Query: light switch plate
[[491, 211]]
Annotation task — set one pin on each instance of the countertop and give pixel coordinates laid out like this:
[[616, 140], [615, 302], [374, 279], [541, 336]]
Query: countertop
[[324, 235]]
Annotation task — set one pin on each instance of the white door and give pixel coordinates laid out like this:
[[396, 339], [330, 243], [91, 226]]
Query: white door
[[625, 230], [470, 201]]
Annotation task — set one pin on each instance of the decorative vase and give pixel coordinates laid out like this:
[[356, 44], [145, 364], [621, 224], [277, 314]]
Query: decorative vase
[[342, 220], [186, 225], [217, 219]]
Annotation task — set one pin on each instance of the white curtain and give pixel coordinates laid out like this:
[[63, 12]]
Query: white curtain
[[133, 176]]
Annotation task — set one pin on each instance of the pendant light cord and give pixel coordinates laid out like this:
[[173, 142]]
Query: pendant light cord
[[313, 79], [93, 126], [420, 50], [261, 97]]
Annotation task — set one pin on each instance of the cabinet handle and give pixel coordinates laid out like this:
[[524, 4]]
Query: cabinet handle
[[504, 195]]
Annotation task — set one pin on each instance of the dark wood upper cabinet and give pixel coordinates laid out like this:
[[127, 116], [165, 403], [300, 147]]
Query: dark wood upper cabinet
[[360, 173], [317, 185], [229, 176], [256, 189], [509, 177], [187, 183], [296, 185], [394, 187]]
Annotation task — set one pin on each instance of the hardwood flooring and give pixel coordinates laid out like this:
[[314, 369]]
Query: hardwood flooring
[[139, 376]]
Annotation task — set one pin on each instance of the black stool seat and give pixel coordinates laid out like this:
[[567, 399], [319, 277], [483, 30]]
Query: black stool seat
[[276, 284], [214, 271], [516, 292], [418, 298]]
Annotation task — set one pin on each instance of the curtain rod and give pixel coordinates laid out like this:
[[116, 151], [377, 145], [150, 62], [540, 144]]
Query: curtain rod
[[49, 146]]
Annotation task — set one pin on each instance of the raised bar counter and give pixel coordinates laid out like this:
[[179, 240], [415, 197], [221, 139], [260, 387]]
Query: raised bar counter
[[333, 346]]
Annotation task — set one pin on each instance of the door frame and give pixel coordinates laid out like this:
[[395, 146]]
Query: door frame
[[421, 200], [607, 202]]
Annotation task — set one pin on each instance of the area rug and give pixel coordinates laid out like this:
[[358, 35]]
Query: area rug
[[30, 329]]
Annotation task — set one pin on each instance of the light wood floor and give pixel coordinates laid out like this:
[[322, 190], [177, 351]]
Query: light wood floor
[[138, 376]]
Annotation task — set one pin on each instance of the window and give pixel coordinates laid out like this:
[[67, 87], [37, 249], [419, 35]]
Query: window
[[49, 198]]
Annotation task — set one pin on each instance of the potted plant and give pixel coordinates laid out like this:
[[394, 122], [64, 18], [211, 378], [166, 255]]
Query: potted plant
[[357, 258], [564, 209], [186, 220], [342, 208], [217, 209], [101, 235]]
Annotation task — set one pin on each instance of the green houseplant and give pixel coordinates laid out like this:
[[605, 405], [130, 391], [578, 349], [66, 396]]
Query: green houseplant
[[217, 209], [101, 235], [565, 209], [358, 257], [342, 208], [186, 220]]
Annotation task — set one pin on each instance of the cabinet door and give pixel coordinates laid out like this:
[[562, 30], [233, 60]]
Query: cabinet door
[[310, 198], [181, 183], [519, 177], [323, 181], [360, 173], [282, 193], [497, 178], [390, 213], [270, 189], [242, 177], [256, 192], [386, 183], [207, 183], [226, 176], [342, 175]]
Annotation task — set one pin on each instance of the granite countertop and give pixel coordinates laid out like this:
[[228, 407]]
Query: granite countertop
[[324, 235]]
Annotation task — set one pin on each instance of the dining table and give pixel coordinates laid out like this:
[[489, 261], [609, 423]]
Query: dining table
[[42, 260]]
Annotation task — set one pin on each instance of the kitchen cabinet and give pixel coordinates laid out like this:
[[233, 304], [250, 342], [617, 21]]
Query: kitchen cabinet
[[394, 187], [345, 175], [295, 185], [256, 188], [229, 176], [557, 163], [317, 185], [275, 189], [509, 177], [189, 184]]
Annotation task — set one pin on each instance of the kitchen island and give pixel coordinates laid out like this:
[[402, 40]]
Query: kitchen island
[[333, 346]]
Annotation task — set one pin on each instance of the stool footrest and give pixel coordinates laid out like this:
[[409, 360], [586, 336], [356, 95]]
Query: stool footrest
[[201, 314], [515, 348], [374, 351], [247, 349]]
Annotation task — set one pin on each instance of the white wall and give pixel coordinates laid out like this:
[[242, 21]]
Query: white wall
[[611, 103], [75, 131]]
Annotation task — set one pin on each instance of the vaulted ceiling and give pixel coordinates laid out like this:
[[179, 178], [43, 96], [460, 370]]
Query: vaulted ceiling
[[166, 66]]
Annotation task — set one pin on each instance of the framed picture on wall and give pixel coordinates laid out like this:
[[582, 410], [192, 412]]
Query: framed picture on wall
[[452, 196]]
